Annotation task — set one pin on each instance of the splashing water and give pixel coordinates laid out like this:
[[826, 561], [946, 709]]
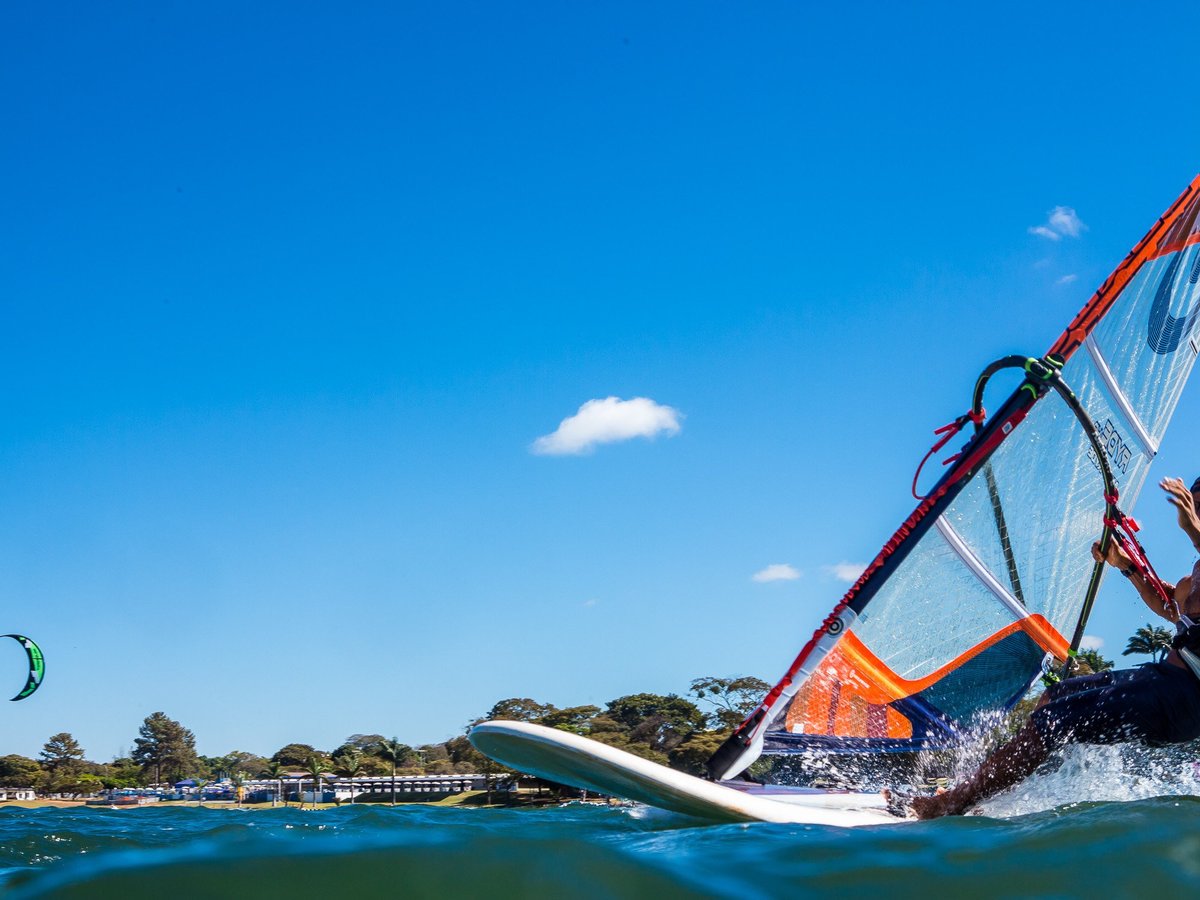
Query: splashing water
[[1091, 774]]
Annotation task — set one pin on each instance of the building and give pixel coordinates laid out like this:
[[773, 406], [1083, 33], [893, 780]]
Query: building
[[408, 788]]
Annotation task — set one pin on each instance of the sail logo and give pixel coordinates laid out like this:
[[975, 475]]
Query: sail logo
[[1166, 331], [1118, 452]]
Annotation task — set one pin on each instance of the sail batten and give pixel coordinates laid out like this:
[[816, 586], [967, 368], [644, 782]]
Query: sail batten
[[975, 564], [1149, 444]]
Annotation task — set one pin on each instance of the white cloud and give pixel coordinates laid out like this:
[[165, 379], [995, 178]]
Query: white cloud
[[607, 421], [1091, 642], [591, 602], [777, 572], [1067, 279], [1043, 231], [1062, 221], [846, 571]]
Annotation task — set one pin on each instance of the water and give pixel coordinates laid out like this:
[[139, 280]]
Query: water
[[1139, 838]]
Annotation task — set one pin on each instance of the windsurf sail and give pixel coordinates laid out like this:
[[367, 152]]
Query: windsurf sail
[[991, 576]]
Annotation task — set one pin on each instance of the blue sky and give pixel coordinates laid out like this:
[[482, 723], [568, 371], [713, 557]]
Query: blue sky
[[289, 293]]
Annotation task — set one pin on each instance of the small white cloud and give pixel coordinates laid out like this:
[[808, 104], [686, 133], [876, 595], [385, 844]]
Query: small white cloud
[[591, 602], [846, 571], [1062, 221], [777, 572], [605, 422], [1091, 642], [1067, 279]]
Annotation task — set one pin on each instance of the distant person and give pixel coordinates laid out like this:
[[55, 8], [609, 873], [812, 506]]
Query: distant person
[[1158, 702]]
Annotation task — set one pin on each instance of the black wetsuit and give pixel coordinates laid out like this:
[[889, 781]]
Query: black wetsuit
[[1158, 703]]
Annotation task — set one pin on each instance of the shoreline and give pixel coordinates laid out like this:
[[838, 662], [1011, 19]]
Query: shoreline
[[470, 799]]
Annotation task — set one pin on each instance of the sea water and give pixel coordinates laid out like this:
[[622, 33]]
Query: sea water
[[1138, 835]]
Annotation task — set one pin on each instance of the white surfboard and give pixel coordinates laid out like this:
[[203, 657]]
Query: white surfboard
[[583, 763]]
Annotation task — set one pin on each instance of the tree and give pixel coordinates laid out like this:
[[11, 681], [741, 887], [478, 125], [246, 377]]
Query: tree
[[316, 768], [360, 742], [234, 761], [122, 772], [1150, 640], [165, 746], [61, 753], [395, 753], [275, 770], [519, 709], [1094, 661], [74, 782], [350, 764], [437, 759], [662, 722], [19, 771], [691, 755], [576, 719], [463, 755], [296, 756], [732, 698], [363, 746]]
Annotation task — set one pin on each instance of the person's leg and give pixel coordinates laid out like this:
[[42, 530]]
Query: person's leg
[[1009, 764]]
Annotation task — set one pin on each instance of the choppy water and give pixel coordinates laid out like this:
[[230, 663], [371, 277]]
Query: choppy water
[[1046, 847]]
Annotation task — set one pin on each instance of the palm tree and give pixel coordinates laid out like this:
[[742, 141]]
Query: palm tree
[[349, 766], [274, 770], [1151, 640], [316, 767], [393, 751]]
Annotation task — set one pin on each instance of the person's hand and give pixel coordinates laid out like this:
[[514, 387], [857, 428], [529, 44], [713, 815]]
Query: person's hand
[[1116, 557], [1181, 498]]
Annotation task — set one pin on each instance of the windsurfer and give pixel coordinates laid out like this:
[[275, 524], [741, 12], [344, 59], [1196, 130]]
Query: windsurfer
[[1158, 702]]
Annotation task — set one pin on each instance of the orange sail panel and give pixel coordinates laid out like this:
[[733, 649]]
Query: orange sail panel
[[853, 691]]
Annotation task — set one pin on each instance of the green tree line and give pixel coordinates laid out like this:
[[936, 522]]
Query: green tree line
[[666, 728]]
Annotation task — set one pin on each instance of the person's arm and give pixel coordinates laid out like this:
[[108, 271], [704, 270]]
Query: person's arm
[[1181, 498], [1151, 598], [1119, 559]]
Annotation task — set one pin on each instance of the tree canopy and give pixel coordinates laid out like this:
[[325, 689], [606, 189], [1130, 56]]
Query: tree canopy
[[1094, 661], [733, 698], [19, 771], [519, 709], [661, 721], [61, 753], [295, 756], [165, 747]]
